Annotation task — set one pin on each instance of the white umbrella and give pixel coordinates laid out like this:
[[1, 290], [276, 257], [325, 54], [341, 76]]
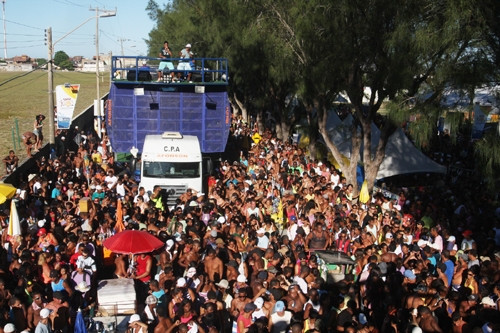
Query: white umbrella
[[14, 224]]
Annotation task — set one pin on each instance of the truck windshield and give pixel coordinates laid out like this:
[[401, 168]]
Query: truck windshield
[[170, 169]]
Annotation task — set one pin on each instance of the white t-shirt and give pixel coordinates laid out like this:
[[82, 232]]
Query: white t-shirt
[[111, 180], [280, 323]]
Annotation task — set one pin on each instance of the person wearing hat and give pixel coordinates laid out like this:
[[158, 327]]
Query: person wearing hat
[[260, 311], [185, 64], [45, 239], [135, 325], [295, 299], [468, 243], [149, 314], [223, 286], [262, 239], [280, 319], [44, 324], [9, 328]]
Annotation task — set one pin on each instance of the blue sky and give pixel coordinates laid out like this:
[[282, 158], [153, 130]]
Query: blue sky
[[26, 20]]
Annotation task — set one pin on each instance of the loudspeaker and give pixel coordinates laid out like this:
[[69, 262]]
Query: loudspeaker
[[143, 75]]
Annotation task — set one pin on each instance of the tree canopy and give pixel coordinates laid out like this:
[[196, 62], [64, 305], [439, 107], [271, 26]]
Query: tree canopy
[[290, 59]]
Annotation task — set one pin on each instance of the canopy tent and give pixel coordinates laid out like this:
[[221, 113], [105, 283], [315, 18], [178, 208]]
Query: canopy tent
[[401, 155]]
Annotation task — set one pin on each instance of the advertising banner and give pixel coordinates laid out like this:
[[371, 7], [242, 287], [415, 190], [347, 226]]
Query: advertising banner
[[65, 104]]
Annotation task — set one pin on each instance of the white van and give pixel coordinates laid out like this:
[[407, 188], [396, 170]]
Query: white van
[[173, 161]]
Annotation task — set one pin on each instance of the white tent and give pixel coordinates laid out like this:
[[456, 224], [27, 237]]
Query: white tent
[[401, 155]]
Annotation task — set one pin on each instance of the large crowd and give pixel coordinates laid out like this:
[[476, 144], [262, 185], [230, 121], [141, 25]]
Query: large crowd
[[245, 256]]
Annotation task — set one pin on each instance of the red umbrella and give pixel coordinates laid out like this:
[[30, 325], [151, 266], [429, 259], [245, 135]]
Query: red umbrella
[[132, 242]]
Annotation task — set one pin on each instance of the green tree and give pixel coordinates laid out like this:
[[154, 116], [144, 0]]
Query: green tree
[[262, 69], [284, 53], [60, 57], [67, 64], [41, 61]]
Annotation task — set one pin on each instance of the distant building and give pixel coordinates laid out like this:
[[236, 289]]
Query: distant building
[[22, 63]]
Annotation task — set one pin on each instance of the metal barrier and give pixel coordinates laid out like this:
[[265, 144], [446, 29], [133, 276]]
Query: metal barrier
[[130, 69]]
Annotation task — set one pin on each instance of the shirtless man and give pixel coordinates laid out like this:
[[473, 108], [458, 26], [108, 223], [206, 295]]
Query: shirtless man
[[164, 323], [388, 254], [238, 303], [232, 270], [192, 255], [78, 163], [295, 299], [29, 139], [213, 266], [426, 320]]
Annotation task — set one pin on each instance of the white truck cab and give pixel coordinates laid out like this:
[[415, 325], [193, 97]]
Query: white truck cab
[[173, 161]]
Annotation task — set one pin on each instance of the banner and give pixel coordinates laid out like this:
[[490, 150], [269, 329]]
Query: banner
[[65, 104]]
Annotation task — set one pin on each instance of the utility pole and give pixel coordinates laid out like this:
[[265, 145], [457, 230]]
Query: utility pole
[[51, 89], [121, 40], [97, 104], [4, 32]]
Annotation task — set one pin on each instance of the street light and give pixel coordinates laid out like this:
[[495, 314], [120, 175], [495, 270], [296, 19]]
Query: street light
[[97, 104], [50, 67]]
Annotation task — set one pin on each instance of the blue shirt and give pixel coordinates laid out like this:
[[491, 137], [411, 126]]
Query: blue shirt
[[449, 270], [55, 193]]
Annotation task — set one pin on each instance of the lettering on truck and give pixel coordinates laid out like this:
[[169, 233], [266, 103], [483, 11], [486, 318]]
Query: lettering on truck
[[171, 149], [172, 155]]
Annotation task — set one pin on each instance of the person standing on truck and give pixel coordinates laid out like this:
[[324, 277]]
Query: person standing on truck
[[185, 64], [165, 53]]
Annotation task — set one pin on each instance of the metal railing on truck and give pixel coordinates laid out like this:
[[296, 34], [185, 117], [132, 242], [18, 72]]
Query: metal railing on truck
[[134, 69]]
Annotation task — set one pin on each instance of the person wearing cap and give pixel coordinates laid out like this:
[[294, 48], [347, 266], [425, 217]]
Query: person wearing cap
[[135, 325], [468, 243], [260, 311], [244, 320], [149, 314], [227, 298], [279, 319], [295, 299], [262, 239], [45, 239], [44, 324], [185, 64], [9, 328]]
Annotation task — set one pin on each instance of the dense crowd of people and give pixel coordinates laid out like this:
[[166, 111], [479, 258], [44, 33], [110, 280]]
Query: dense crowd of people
[[246, 255]]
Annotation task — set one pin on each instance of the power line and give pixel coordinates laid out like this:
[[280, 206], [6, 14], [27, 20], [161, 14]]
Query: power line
[[26, 35], [23, 47], [70, 3], [24, 25], [17, 77]]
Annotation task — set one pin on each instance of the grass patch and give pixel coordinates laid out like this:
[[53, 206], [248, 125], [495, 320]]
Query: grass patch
[[24, 95]]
